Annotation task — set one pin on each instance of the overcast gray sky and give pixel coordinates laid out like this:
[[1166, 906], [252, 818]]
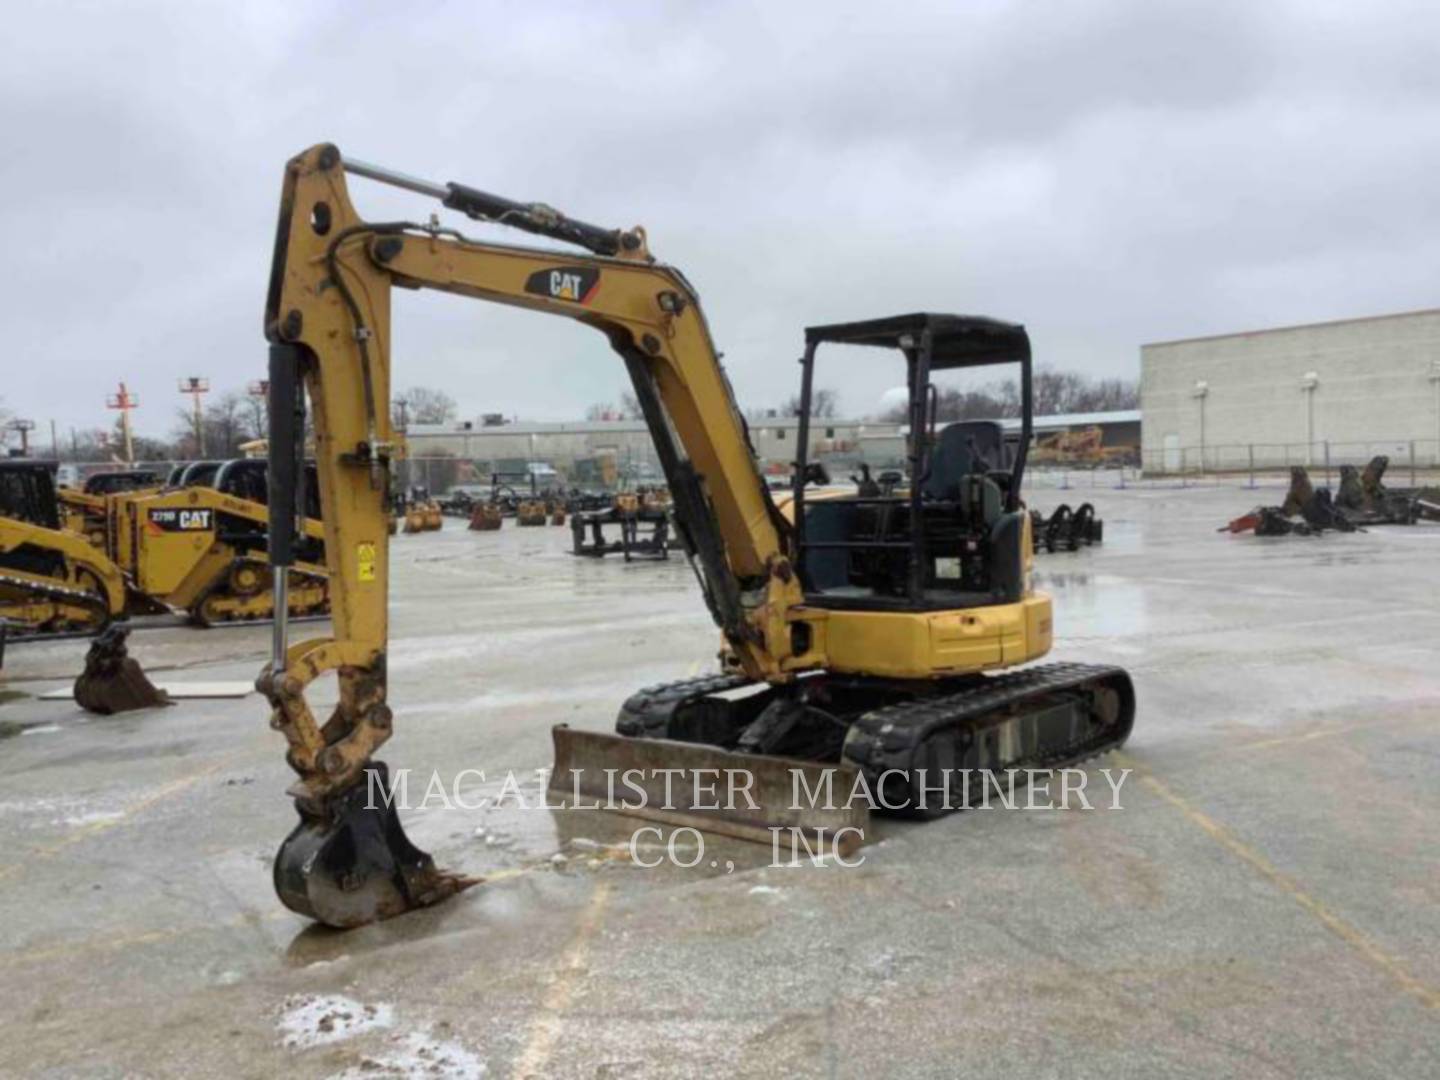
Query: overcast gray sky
[[1107, 173]]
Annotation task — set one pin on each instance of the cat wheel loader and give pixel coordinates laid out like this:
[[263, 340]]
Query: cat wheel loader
[[52, 580], [868, 636]]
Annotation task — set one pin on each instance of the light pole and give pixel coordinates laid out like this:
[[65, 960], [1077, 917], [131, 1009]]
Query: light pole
[[1200, 392], [124, 401], [1435, 382], [1308, 382], [197, 388], [24, 427]]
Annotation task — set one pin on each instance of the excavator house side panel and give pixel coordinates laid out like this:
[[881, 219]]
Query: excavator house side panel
[[1038, 630], [903, 645]]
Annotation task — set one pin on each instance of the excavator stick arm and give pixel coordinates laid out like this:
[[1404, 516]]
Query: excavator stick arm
[[328, 321]]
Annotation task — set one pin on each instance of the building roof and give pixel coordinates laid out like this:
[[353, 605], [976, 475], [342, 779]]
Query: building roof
[[572, 427], [1056, 421], [1078, 419], [1295, 326]]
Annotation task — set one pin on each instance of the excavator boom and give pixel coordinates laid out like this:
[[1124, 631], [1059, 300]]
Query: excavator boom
[[328, 322]]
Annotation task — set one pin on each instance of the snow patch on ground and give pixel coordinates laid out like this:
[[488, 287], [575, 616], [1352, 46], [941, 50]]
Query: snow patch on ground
[[95, 817], [416, 1055], [318, 1020]]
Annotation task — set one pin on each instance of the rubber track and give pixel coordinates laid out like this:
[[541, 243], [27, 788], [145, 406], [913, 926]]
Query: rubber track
[[651, 707], [888, 738], [218, 589], [78, 597]]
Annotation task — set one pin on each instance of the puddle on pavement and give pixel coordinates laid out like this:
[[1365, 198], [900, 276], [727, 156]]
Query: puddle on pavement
[[1095, 605], [499, 827], [529, 853]]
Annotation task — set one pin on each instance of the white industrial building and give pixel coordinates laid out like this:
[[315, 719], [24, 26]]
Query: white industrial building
[[1338, 391]]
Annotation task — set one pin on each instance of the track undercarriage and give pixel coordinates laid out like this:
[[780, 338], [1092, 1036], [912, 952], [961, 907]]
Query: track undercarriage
[[915, 744], [36, 606], [244, 593]]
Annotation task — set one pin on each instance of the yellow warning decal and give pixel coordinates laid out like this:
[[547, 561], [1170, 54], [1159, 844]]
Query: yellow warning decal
[[366, 557]]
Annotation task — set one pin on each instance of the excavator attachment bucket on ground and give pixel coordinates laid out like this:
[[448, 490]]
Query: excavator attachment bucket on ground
[[351, 863], [796, 805], [113, 681]]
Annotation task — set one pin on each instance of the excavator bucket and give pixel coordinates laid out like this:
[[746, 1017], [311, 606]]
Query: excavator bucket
[[113, 681], [789, 804], [351, 863]]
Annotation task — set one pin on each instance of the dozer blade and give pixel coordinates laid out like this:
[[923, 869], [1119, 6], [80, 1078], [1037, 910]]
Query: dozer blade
[[351, 863], [113, 681], [768, 800]]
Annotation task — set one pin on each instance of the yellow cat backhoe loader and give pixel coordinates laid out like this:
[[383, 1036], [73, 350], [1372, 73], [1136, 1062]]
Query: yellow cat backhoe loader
[[51, 580], [860, 633]]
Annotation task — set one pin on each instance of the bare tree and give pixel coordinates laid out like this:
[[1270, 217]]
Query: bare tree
[[1053, 393], [824, 404], [423, 405], [88, 445], [628, 409], [256, 418], [182, 435], [225, 427]]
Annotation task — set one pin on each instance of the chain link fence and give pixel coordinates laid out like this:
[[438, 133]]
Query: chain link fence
[[1413, 463]]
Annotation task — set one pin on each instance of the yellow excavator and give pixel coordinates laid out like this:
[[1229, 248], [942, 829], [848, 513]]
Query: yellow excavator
[[52, 580], [865, 634]]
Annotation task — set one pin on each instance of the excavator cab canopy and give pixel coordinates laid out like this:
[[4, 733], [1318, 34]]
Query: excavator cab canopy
[[954, 539], [955, 340]]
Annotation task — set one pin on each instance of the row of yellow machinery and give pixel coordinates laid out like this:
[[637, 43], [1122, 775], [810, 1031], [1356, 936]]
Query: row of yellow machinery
[[127, 543], [868, 640]]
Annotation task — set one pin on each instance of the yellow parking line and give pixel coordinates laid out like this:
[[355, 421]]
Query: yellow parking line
[[1325, 733], [1351, 935], [532, 1059], [84, 832]]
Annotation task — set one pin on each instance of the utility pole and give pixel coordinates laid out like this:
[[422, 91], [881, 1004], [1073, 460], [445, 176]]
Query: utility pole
[[54, 442], [24, 427], [197, 388], [125, 401]]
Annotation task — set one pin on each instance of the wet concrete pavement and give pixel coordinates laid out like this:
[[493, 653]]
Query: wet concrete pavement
[[1263, 905]]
